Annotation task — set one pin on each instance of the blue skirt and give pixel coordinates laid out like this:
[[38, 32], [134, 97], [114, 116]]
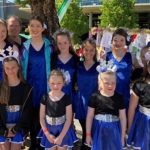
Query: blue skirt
[[106, 135], [12, 118], [69, 139], [139, 135]]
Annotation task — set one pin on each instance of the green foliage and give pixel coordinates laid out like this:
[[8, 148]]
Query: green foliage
[[22, 2], [118, 13], [74, 20]]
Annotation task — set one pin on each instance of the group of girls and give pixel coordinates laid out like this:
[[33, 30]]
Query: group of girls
[[98, 97]]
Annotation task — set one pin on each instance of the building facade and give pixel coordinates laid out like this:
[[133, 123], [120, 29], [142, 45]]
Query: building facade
[[92, 8]]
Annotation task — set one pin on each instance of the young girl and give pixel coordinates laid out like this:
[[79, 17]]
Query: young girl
[[36, 69], [15, 106], [139, 120], [107, 109], [4, 44], [65, 59], [87, 83], [122, 59], [56, 116]]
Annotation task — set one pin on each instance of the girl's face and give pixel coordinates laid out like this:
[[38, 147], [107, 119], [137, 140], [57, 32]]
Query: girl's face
[[107, 83], [11, 68], [35, 28], [56, 83], [3, 32], [89, 51], [118, 42], [63, 43]]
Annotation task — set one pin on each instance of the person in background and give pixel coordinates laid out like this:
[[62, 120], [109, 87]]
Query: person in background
[[122, 59], [14, 26], [56, 116], [15, 104], [36, 60], [5, 46], [87, 83]]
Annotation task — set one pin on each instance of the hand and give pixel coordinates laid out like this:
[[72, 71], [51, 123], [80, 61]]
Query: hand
[[50, 138], [58, 140], [10, 134], [88, 140]]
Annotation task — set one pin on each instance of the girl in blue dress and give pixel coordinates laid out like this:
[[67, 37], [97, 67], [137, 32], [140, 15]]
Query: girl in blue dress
[[56, 116], [87, 83], [139, 119], [106, 112], [65, 59], [122, 59], [36, 69], [15, 105], [4, 44]]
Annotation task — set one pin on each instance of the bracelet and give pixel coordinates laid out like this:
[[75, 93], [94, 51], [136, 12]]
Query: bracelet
[[88, 134], [45, 130]]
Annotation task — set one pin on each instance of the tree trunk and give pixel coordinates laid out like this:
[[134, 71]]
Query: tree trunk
[[51, 16], [46, 9]]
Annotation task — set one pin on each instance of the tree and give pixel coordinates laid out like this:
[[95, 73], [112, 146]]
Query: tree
[[46, 9], [75, 21], [118, 13]]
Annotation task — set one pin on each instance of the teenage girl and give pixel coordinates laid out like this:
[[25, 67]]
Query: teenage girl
[[122, 59], [87, 83], [56, 116], [36, 61]]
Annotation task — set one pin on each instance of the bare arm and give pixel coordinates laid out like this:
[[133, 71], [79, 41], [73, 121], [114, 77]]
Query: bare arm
[[132, 107], [123, 122], [89, 121], [49, 136]]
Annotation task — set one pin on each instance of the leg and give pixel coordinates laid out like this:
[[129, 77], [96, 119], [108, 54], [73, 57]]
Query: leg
[[61, 148], [15, 146], [5, 146], [34, 129]]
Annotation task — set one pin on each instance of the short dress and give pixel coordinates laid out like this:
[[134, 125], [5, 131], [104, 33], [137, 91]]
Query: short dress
[[16, 114], [56, 110], [106, 130], [139, 134]]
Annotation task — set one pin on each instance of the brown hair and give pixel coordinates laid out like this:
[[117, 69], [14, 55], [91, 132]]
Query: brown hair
[[3, 22], [5, 89], [57, 72]]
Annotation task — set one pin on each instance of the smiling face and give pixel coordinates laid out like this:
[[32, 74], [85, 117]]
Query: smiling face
[[56, 82], [35, 28], [3, 32], [107, 83], [118, 42], [89, 51], [63, 43], [11, 68]]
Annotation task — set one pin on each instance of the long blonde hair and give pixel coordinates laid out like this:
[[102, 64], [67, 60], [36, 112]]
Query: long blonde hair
[[4, 88]]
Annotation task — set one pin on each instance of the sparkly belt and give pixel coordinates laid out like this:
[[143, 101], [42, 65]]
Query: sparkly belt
[[144, 110], [55, 120], [106, 118], [13, 108]]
